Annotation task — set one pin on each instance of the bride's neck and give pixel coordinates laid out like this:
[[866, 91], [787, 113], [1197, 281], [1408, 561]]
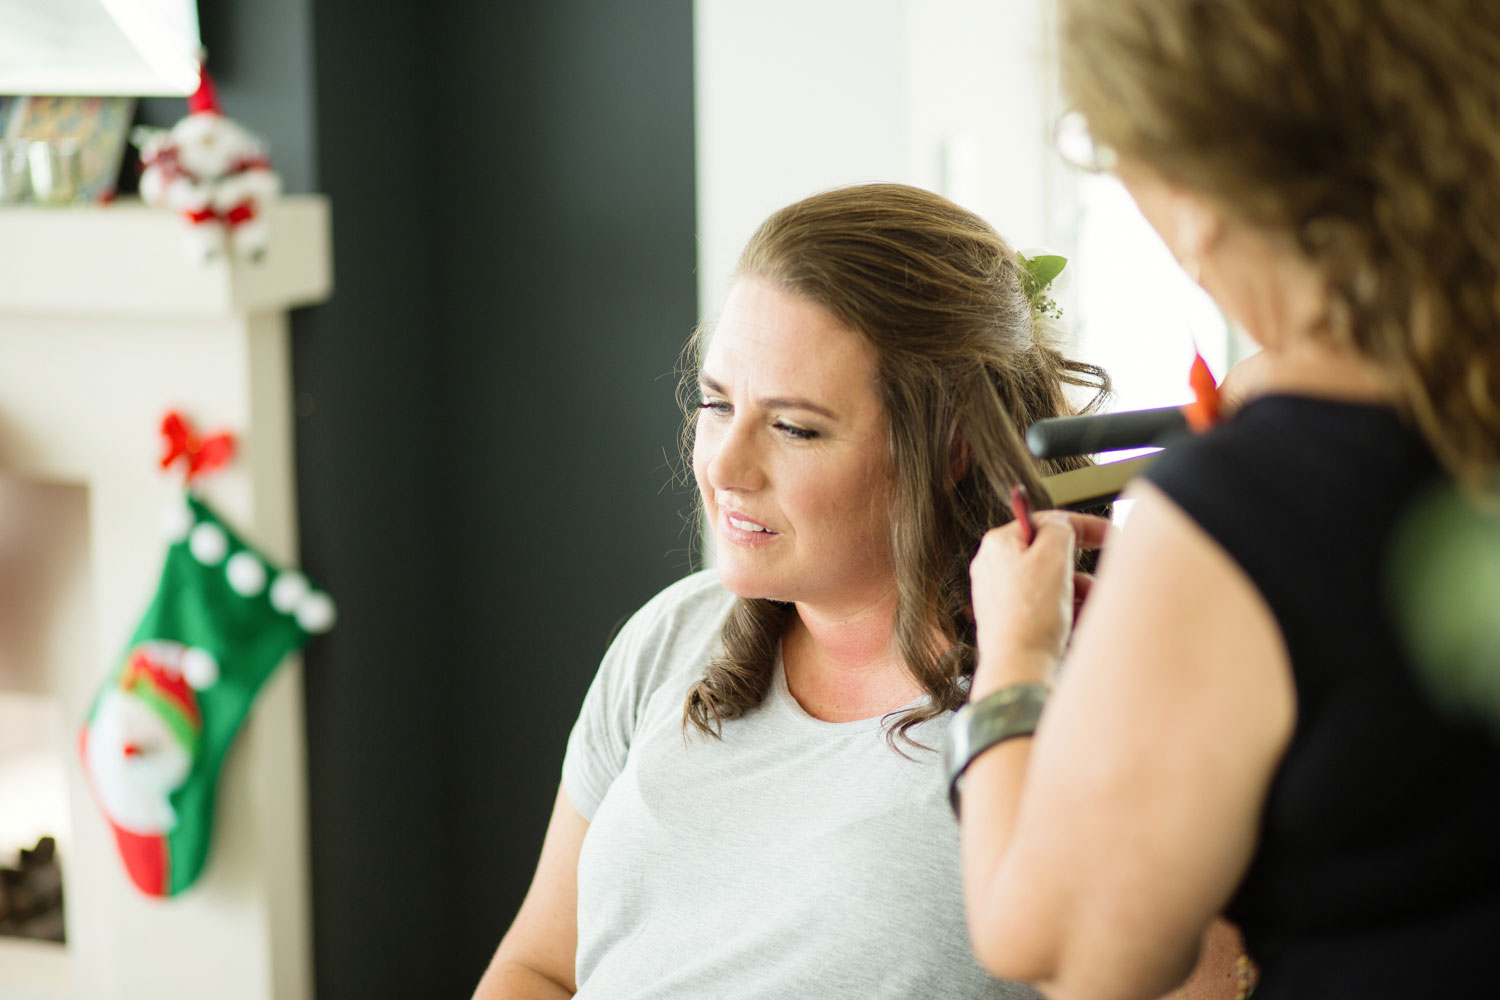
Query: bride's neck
[[847, 666]]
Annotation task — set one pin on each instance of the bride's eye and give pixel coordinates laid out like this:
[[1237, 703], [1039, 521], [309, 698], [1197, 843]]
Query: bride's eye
[[793, 431]]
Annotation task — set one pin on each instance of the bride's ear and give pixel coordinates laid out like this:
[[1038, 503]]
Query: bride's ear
[[959, 457]]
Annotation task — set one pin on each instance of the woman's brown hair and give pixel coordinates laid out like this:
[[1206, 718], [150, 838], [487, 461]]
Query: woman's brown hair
[[962, 369], [1367, 131]]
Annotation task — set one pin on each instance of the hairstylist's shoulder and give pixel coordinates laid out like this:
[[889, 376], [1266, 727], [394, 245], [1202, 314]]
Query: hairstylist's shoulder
[[1225, 465], [1225, 483]]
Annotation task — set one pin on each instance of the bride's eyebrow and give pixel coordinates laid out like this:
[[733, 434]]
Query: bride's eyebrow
[[772, 403]]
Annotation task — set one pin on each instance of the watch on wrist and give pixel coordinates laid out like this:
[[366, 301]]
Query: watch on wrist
[[1010, 712]]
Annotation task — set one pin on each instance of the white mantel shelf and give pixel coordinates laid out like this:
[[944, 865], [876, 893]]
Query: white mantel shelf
[[125, 259], [105, 323]]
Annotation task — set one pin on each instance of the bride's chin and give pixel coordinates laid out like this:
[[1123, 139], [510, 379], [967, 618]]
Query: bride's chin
[[750, 586]]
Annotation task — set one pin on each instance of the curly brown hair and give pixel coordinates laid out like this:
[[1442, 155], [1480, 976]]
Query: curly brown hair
[[960, 363], [1367, 131]]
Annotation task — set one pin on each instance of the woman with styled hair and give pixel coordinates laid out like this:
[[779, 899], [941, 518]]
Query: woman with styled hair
[[1274, 701], [752, 802]]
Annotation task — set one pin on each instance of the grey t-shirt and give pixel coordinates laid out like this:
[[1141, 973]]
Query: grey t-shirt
[[796, 858]]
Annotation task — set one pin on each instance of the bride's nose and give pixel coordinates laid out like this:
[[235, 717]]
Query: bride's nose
[[735, 462]]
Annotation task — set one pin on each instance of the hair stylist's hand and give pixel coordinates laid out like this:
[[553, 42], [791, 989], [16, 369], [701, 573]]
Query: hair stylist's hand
[[1024, 597]]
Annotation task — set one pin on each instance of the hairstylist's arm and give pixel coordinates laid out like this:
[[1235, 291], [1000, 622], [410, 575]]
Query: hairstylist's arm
[[1096, 853], [535, 959]]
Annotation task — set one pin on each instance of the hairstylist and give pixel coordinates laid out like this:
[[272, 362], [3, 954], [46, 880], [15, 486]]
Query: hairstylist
[[1243, 720]]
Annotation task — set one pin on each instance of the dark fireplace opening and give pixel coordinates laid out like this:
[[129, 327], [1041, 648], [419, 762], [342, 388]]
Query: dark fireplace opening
[[46, 633], [31, 894]]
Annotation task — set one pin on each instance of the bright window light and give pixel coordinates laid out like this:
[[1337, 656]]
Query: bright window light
[[1136, 312]]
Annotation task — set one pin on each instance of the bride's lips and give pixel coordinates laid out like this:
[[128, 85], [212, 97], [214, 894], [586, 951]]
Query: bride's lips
[[742, 530]]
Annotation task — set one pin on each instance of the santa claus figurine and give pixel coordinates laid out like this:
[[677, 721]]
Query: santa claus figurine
[[216, 174]]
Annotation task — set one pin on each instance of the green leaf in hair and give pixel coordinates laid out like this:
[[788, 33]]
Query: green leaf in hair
[[1042, 270], [1039, 273]]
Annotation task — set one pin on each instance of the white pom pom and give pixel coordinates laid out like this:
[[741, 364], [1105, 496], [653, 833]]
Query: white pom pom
[[200, 669], [289, 589], [176, 522], [316, 613], [208, 544], [247, 574]]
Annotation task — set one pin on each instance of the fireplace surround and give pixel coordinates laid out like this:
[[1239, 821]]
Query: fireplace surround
[[105, 324]]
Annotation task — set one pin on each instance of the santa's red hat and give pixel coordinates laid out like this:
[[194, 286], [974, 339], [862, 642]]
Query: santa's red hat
[[153, 672], [205, 98]]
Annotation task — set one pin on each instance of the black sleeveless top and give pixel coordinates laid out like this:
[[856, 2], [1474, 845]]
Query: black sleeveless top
[[1377, 872]]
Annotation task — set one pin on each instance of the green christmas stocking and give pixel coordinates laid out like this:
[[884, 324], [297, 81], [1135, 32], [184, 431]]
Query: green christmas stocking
[[222, 619]]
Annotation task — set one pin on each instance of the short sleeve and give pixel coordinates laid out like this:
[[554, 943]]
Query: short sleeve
[[600, 740], [674, 633], [1247, 484]]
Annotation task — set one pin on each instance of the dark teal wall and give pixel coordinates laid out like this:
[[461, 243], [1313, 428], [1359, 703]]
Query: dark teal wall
[[484, 420], [565, 275]]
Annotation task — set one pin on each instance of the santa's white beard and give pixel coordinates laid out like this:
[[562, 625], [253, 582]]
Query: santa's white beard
[[133, 790], [208, 145]]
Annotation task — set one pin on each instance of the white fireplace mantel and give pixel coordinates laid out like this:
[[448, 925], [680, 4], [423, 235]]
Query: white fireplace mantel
[[105, 324]]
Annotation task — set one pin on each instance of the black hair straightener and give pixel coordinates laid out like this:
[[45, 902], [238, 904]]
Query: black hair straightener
[[1063, 437]]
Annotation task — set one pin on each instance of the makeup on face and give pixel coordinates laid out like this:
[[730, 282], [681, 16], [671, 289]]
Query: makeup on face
[[790, 452]]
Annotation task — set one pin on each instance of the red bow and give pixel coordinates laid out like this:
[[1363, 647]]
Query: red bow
[[203, 454]]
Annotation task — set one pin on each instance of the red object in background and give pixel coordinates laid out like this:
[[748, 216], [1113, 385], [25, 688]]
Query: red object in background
[[1203, 412], [202, 454], [146, 860], [145, 854], [206, 97]]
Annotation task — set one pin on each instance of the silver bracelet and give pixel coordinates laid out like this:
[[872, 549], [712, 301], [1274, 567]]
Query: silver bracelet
[[1012, 711]]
